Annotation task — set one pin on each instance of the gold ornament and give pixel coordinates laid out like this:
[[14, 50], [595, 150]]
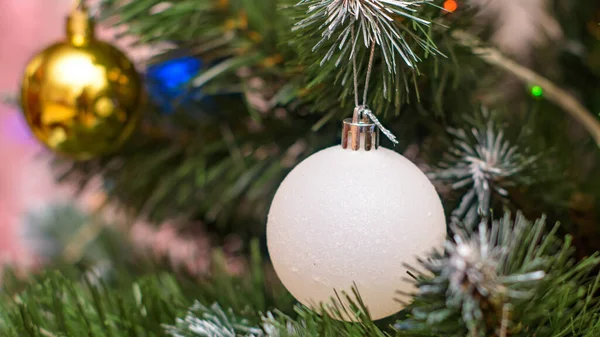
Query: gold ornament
[[81, 97]]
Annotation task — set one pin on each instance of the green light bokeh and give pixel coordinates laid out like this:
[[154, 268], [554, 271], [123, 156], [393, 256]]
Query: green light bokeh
[[537, 91]]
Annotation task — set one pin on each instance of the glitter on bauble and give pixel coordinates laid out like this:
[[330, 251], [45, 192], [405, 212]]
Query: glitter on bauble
[[354, 215]]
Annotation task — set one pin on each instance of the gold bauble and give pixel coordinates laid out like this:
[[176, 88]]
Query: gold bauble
[[81, 97]]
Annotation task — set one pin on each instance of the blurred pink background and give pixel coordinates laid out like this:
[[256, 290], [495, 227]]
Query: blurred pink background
[[26, 27], [25, 183]]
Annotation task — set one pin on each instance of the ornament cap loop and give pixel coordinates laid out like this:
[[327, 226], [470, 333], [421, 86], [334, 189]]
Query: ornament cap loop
[[80, 27], [359, 133]]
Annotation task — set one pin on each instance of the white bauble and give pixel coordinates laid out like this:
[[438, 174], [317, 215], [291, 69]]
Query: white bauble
[[345, 217]]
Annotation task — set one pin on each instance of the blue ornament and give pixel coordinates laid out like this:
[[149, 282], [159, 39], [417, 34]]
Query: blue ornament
[[169, 81]]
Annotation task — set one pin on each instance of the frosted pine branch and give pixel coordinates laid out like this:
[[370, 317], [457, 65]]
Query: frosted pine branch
[[512, 277], [375, 21], [484, 163], [475, 278], [201, 321], [278, 328], [475, 261]]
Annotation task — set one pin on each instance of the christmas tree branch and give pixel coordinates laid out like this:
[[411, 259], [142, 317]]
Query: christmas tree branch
[[516, 279], [551, 90], [377, 22], [516, 266], [485, 164]]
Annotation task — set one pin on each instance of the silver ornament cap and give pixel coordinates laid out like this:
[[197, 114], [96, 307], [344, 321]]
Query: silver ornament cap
[[359, 132]]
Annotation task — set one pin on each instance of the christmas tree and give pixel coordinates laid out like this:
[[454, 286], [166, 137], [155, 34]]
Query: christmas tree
[[496, 102]]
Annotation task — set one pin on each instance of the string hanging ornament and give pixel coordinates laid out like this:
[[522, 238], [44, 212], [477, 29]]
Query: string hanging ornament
[[353, 215], [81, 96]]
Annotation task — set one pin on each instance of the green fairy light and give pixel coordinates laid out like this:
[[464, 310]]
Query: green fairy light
[[537, 91]]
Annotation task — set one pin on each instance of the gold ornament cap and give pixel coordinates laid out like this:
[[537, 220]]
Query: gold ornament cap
[[80, 26]]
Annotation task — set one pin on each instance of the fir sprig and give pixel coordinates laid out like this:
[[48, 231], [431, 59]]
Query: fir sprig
[[54, 305], [213, 321], [202, 321], [374, 21], [485, 164], [63, 303], [511, 280]]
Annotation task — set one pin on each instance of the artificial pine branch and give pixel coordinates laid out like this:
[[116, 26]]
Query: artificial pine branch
[[53, 305], [514, 280], [374, 21], [485, 164], [202, 321], [72, 303]]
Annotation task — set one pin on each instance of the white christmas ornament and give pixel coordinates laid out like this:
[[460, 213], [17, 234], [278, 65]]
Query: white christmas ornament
[[354, 214]]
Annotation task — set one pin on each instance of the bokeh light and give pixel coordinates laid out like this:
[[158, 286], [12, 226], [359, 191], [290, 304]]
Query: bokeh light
[[450, 5]]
